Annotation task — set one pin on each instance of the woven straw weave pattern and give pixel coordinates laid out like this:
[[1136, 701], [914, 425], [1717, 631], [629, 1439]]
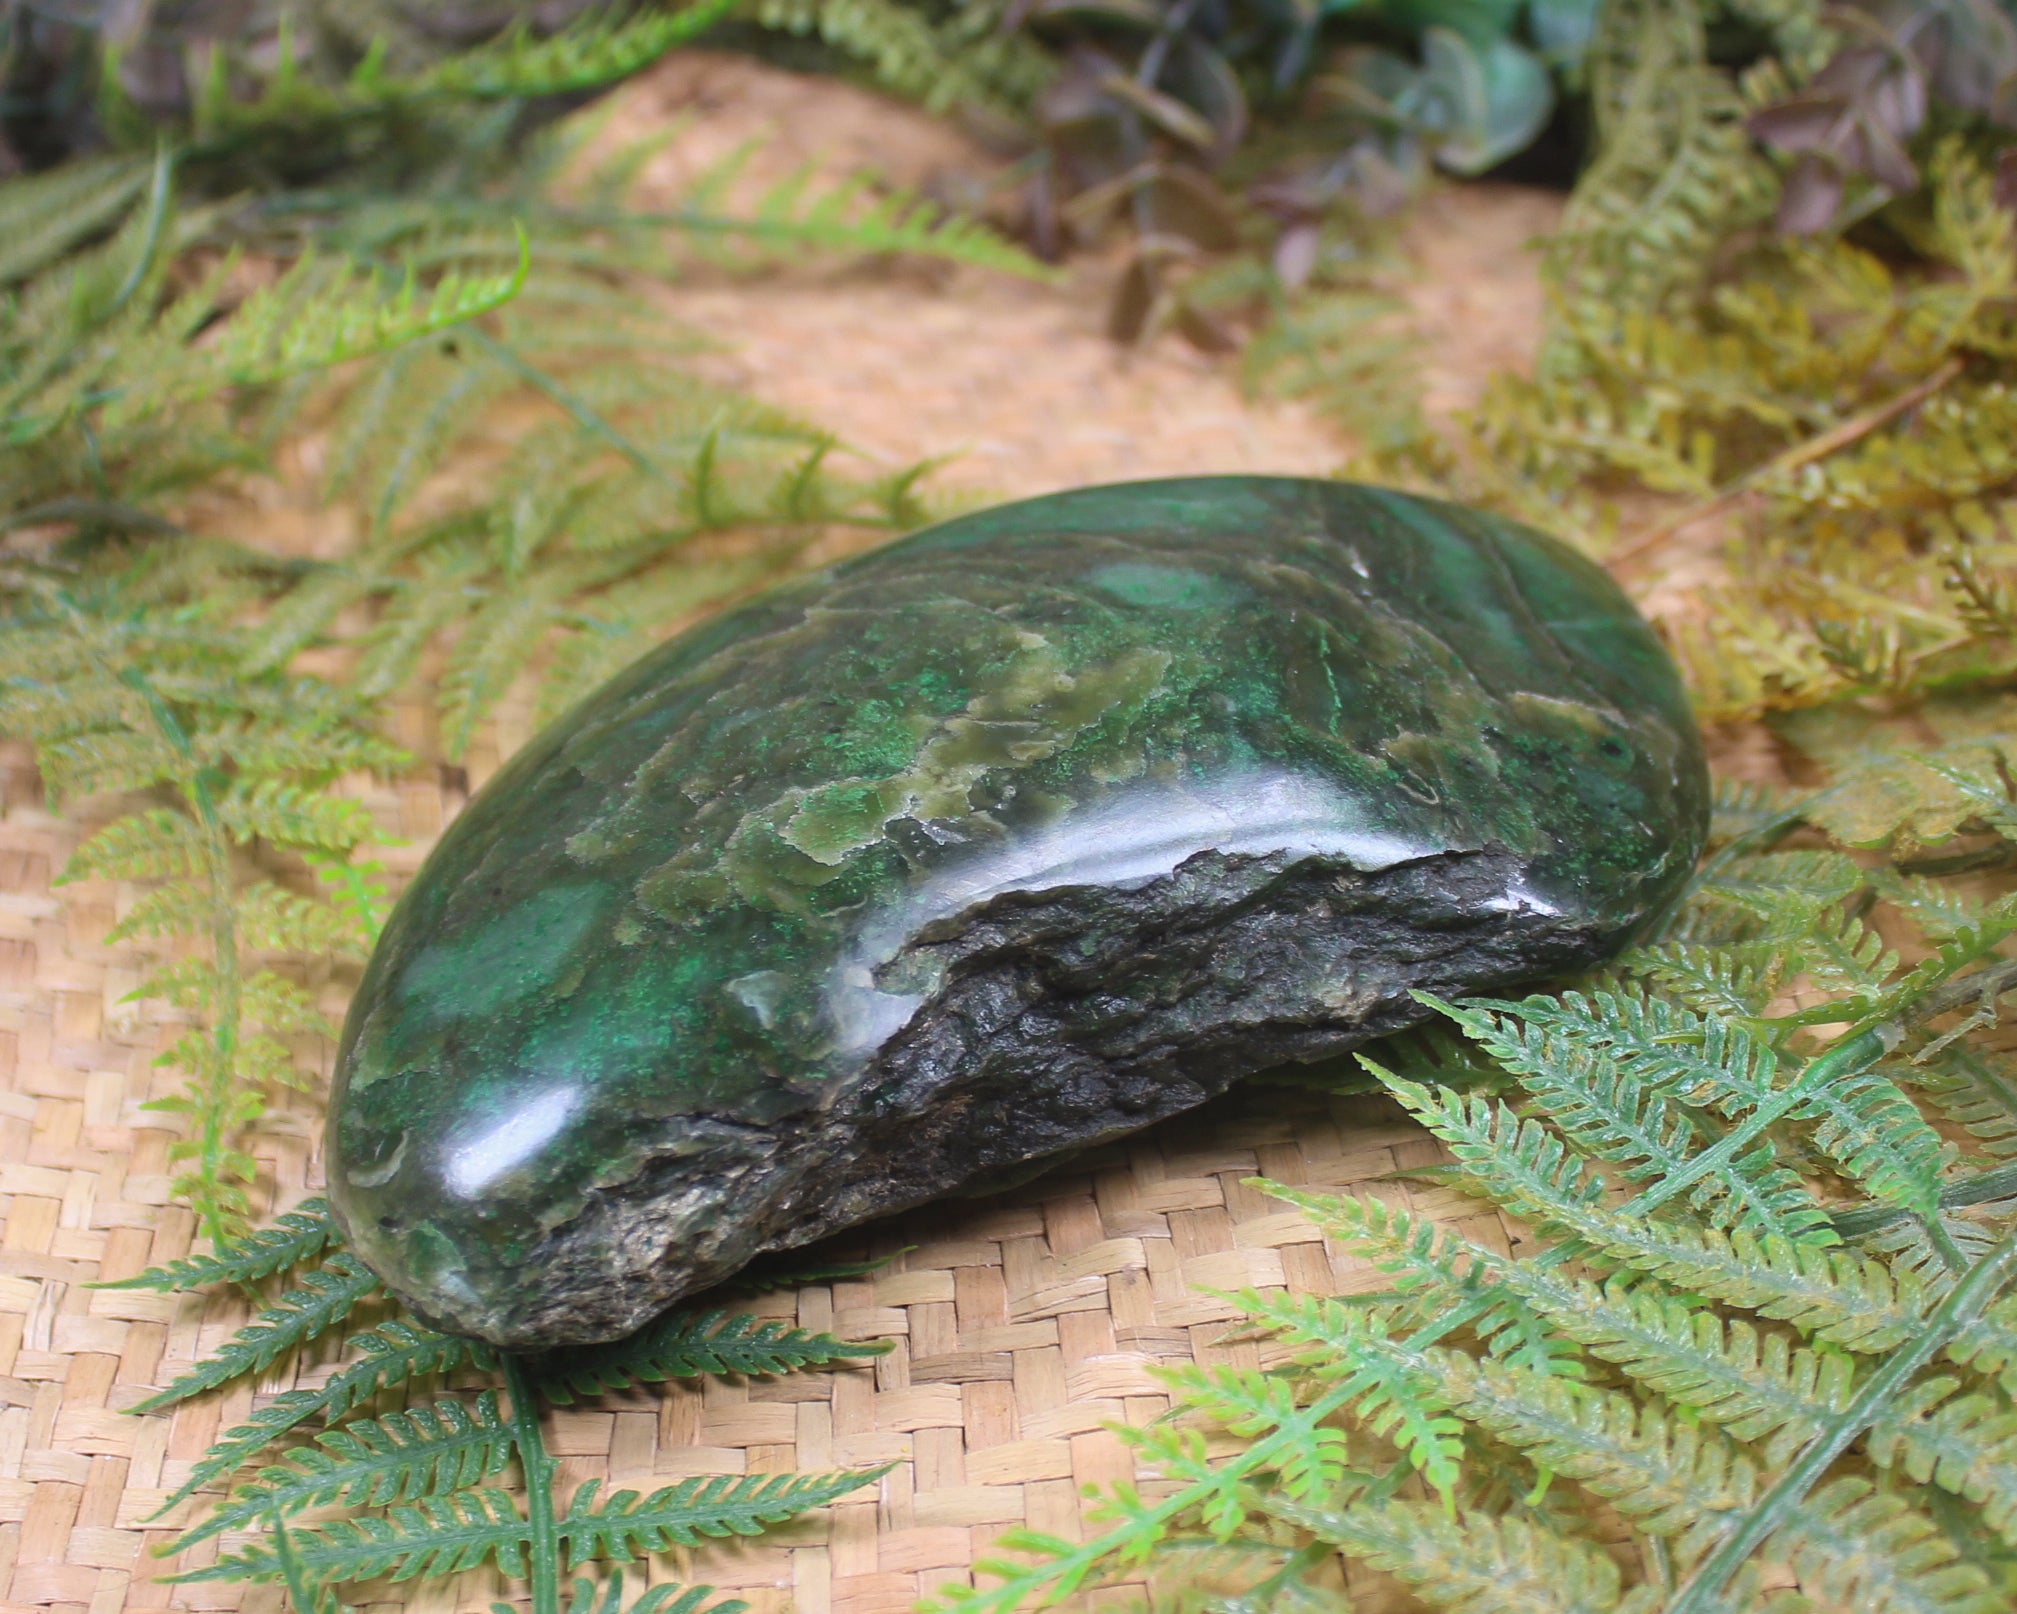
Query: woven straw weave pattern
[[1023, 1324]]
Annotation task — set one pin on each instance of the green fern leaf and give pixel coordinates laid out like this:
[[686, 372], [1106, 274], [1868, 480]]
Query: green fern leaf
[[1745, 811], [597, 50], [436, 1536], [1967, 944], [491, 653], [1735, 981], [443, 1535], [1672, 1479], [177, 908], [287, 814], [393, 1354], [1783, 888], [1609, 1110], [628, 1525], [373, 1462], [155, 844], [1522, 1162], [850, 217], [295, 1237], [1966, 1445], [270, 999], [1249, 1403], [274, 919], [1877, 1136], [1425, 1258], [1989, 1344], [1469, 1562], [911, 57], [1837, 1296], [688, 1344], [324, 1299], [1939, 908], [1843, 954], [1706, 1062], [588, 1599], [271, 337], [1975, 1090], [1332, 1338], [1752, 1382], [44, 216], [1855, 1547]]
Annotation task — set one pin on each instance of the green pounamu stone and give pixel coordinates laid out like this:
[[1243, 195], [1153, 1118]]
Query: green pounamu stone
[[1020, 833]]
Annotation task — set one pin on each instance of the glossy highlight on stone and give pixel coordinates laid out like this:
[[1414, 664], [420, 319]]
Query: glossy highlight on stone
[[1017, 834]]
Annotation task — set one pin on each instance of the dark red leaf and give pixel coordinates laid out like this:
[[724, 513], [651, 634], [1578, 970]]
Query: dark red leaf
[[1134, 300], [1813, 193]]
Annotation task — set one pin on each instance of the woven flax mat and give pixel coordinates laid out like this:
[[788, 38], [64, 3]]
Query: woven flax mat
[[1024, 1325]]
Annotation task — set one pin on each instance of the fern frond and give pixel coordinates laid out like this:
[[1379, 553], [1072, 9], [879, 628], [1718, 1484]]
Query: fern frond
[[851, 216], [1675, 171], [1751, 1381], [1952, 955], [595, 50], [1744, 811], [663, 1599], [1605, 1108], [270, 999], [1469, 1562], [1521, 1162], [433, 1537], [1706, 1062], [157, 843], [1876, 1135], [373, 1462], [312, 318], [1837, 1296], [1429, 1260], [1989, 1344], [393, 1353], [291, 815], [273, 919], [1861, 1548], [44, 216], [688, 1344], [324, 1299], [1974, 1091], [1333, 1339], [492, 651], [628, 1525], [1964, 1444], [295, 1237], [1249, 1403], [176, 908], [1673, 1479], [464, 1529], [1783, 888], [1844, 954], [1733, 981], [910, 56]]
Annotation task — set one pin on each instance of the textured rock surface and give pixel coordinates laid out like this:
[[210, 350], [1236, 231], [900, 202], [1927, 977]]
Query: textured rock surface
[[1017, 834]]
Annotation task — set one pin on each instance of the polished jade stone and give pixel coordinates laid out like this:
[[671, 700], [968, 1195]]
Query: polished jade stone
[[1017, 834]]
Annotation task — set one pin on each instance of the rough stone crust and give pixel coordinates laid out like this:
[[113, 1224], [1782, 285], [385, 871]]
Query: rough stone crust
[[1067, 1017]]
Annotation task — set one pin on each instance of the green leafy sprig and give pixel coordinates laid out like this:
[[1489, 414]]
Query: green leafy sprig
[[421, 1485]]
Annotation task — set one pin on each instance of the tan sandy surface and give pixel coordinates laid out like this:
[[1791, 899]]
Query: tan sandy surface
[[1019, 379]]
